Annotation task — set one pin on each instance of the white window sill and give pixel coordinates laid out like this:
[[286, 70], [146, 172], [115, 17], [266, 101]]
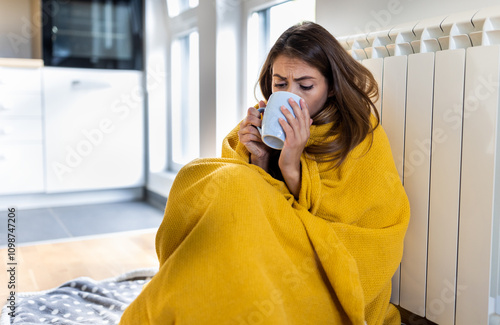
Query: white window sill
[[161, 183]]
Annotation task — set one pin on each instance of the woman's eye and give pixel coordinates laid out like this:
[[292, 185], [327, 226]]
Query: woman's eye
[[306, 87], [279, 85]]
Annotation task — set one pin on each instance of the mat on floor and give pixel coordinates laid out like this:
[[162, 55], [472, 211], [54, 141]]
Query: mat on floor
[[79, 301]]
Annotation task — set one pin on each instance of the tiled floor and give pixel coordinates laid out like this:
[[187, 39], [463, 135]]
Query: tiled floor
[[65, 222]]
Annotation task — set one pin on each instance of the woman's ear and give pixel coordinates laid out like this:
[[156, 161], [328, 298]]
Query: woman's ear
[[331, 90]]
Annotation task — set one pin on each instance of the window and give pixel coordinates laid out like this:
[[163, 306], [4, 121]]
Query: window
[[184, 117], [263, 29], [176, 7], [190, 129]]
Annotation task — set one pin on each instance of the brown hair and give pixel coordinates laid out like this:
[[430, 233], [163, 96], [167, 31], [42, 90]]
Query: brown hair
[[350, 84]]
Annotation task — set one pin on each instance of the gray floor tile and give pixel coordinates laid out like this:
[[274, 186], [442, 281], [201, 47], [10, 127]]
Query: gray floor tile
[[35, 225], [74, 221], [107, 218]]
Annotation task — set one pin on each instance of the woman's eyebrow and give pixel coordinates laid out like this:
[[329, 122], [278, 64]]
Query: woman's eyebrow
[[295, 79]]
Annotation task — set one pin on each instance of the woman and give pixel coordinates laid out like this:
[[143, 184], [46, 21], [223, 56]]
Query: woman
[[309, 235]]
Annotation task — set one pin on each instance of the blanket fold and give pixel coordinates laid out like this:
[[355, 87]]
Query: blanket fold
[[236, 247]]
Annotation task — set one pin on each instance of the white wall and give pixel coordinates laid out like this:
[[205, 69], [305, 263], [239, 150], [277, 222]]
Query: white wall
[[228, 68], [344, 18]]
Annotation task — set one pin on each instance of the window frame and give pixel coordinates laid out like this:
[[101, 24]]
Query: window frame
[[249, 7], [180, 26], [172, 165]]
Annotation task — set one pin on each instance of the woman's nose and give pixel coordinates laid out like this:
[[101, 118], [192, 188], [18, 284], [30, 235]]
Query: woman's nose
[[293, 89]]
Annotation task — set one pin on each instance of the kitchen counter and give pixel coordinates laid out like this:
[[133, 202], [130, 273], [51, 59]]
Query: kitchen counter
[[21, 63]]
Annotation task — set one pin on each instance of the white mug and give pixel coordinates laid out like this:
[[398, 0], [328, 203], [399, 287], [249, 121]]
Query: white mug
[[272, 133]]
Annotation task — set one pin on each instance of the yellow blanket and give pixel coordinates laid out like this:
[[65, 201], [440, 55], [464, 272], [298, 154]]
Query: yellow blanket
[[235, 247]]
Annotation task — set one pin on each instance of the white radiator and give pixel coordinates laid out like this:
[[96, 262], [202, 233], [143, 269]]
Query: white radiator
[[439, 83]]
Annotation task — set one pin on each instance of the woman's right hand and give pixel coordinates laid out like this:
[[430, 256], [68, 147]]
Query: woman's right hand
[[250, 137]]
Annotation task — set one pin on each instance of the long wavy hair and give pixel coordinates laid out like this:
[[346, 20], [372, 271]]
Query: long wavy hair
[[352, 88]]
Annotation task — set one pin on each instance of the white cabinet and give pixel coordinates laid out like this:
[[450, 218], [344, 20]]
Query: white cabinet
[[21, 138], [21, 168], [94, 129]]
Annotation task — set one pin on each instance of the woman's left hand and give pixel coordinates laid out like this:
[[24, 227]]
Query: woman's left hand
[[297, 133]]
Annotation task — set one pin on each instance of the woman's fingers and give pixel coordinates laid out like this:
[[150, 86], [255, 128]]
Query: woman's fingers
[[249, 135], [253, 113], [301, 111], [289, 131], [305, 110], [296, 127], [301, 122], [252, 119]]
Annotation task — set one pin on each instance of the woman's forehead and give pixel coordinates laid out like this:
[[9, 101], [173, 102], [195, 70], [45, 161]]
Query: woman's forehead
[[284, 66]]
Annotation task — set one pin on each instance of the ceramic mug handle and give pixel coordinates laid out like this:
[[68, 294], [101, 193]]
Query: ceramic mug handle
[[261, 111]]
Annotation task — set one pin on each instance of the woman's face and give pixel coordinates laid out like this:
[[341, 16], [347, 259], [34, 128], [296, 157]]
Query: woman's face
[[298, 77]]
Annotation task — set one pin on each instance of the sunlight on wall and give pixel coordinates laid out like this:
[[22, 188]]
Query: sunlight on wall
[[175, 7], [227, 88], [289, 13]]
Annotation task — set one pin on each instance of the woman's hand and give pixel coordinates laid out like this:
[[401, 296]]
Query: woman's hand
[[251, 139], [297, 133]]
